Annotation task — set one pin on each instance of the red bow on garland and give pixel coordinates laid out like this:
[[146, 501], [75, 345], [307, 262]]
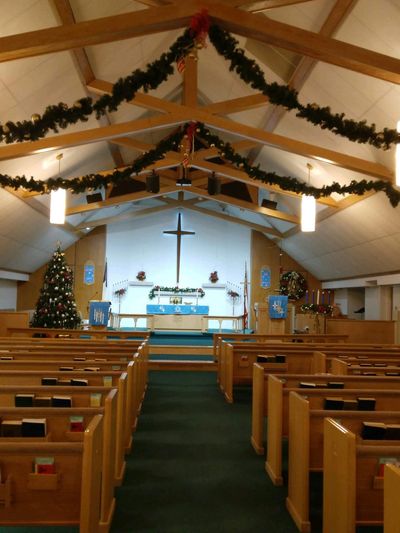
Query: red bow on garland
[[199, 25]]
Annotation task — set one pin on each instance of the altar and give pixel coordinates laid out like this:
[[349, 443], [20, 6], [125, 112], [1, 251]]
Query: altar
[[177, 316]]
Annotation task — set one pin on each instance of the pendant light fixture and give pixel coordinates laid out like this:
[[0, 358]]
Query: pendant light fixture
[[308, 208], [58, 201]]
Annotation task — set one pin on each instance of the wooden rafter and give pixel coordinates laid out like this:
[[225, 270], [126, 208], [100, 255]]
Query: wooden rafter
[[85, 71], [192, 205], [178, 14]]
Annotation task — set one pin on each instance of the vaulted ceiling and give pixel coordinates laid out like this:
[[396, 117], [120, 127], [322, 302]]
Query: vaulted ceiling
[[337, 53]]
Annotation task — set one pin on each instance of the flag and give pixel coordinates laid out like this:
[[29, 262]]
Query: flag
[[245, 300], [105, 274]]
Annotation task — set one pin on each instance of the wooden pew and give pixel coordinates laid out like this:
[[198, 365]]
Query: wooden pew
[[260, 394], [70, 496], [306, 445], [353, 492], [81, 399], [76, 333], [28, 344], [237, 366], [355, 366], [391, 491], [278, 413]]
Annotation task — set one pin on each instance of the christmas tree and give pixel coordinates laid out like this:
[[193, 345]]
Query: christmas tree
[[56, 307]]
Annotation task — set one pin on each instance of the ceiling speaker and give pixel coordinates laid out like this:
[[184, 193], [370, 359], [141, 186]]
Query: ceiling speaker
[[214, 185], [95, 197], [153, 183]]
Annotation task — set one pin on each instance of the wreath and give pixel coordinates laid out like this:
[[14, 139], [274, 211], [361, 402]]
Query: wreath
[[293, 285]]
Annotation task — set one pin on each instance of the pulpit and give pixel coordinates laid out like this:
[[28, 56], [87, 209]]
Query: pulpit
[[265, 325]]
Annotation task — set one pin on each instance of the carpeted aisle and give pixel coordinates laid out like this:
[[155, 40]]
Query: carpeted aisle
[[192, 469]]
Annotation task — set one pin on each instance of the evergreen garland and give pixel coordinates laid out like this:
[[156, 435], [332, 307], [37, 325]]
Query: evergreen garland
[[60, 116], [56, 307]]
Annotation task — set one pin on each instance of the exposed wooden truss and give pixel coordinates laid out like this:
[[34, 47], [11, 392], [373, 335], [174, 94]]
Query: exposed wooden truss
[[240, 17]]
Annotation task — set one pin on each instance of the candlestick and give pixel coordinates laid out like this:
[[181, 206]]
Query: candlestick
[[318, 297]]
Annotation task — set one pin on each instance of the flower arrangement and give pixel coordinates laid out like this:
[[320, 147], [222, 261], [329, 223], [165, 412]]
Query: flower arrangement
[[214, 277], [233, 294], [177, 290], [120, 292], [141, 275], [317, 309]]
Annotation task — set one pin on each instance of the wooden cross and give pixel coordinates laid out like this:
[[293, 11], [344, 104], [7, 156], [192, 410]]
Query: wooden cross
[[178, 232]]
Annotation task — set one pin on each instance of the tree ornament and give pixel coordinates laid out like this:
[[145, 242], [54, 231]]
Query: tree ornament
[[35, 118]]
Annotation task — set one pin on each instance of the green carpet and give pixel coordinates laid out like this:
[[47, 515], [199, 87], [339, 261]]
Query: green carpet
[[192, 469]]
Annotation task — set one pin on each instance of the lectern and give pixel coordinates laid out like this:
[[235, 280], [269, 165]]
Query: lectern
[[265, 324], [98, 313]]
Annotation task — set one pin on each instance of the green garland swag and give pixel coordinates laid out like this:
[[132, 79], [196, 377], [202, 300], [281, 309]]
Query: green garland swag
[[61, 115], [176, 290], [293, 284], [286, 183], [317, 309]]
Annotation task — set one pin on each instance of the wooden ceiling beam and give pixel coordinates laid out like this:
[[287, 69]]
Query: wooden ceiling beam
[[305, 42], [254, 208], [97, 31], [124, 216], [118, 200]]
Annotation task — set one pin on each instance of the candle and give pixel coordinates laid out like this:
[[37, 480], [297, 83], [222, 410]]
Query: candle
[[329, 297], [306, 297], [323, 297], [313, 296], [318, 297]]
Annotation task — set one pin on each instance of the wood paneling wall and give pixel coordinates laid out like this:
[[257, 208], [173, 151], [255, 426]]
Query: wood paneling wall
[[363, 331], [89, 248], [265, 253]]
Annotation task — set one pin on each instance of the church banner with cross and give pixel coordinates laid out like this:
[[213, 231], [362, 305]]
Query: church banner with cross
[[278, 306]]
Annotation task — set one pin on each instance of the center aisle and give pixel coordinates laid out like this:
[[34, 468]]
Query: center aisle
[[192, 468]]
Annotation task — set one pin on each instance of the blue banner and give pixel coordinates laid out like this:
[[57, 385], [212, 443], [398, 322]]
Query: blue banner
[[177, 309], [278, 306], [98, 313], [265, 278]]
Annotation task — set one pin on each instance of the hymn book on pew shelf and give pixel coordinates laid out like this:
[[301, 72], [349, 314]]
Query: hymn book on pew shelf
[[34, 427], [44, 465], [49, 381], [24, 400], [76, 424], [61, 401], [11, 428], [382, 461]]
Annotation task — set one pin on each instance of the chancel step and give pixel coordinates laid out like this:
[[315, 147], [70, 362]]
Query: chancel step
[[183, 365]]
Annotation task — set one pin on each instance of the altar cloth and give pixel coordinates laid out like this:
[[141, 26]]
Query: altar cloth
[[168, 309]]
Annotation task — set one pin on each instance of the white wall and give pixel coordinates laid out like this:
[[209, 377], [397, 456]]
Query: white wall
[[8, 294], [141, 245]]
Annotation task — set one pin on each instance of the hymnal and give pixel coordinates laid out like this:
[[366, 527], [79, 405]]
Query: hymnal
[[92, 369], [366, 404], [62, 401], [350, 405], [49, 381], [335, 384], [279, 358], [392, 432], [34, 427], [11, 428], [334, 404], [95, 399], [373, 430], [365, 364], [116, 367], [79, 358], [24, 400], [392, 374], [6, 357], [44, 465], [78, 382], [76, 423], [66, 368], [42, 401], [307, 385], [100, 359], [107, 381], [380, 364], [265, 359]]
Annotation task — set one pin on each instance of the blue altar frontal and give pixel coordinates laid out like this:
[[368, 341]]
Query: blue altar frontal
[[177, 309]]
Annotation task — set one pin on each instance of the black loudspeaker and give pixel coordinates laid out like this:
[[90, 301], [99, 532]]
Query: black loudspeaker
[[153, 183], [95, 197], [214, 185]]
